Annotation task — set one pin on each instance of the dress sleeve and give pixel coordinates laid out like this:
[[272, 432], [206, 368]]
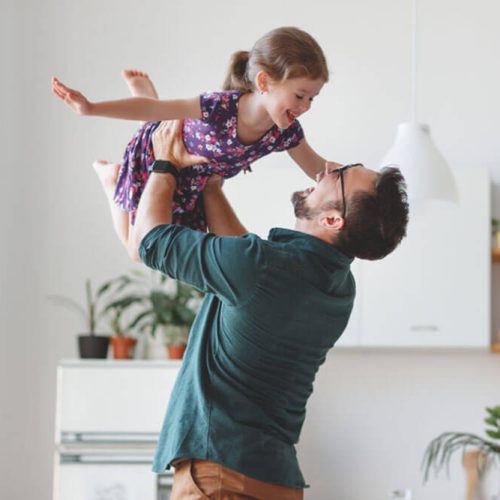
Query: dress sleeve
[[225, 266], [290, 137], [209, 103]]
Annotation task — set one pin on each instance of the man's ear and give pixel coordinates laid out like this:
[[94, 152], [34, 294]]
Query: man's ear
[[332, 221], [262, 80]]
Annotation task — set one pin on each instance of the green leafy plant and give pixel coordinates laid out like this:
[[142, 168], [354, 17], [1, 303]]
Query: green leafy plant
[[440, 450], [495, 226], [95, 305], [115, 314], [157, 304]]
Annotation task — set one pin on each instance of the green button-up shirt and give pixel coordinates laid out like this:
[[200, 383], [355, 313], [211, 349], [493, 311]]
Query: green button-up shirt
[[272, 311]]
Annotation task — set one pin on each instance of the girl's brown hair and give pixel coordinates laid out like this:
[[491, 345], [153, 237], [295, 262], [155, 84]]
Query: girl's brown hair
[[283, 53]]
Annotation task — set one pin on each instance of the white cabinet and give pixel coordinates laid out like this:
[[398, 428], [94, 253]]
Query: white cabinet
[[113, 396], [434, 290], [108, 417]]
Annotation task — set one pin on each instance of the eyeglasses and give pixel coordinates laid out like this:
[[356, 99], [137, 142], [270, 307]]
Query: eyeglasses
[[341, 171]]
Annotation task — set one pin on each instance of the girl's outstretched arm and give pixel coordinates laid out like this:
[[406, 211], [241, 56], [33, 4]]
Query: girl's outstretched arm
[[307, 159], [133, 108]]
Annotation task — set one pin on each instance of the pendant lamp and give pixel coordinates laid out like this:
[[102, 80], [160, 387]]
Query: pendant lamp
[[427, 174]]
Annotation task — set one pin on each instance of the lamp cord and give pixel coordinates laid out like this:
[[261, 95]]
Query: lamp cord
[[414, 63]]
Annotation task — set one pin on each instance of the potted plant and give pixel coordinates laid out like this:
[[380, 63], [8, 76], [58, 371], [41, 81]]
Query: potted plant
[[168, 309], [90, 344], [439, 451], [177, 317], [495, 232], [121, 343]]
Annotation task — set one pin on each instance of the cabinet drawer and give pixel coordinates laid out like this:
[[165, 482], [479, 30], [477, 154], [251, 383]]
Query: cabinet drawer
[[113, 397]]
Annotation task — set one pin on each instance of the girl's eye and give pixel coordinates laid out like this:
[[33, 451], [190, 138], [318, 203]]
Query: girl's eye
[[299, 96]]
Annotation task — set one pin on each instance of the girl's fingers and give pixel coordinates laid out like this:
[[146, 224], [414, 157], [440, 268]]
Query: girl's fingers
[[63, 87], [58, 92]]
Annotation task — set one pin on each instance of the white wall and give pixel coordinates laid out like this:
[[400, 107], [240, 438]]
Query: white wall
[[373, 413], [54, 224]]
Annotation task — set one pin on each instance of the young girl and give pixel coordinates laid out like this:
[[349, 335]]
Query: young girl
[[265, 91]]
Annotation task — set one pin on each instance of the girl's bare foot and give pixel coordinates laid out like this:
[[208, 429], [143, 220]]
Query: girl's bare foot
[[139, 83], [107, 173]]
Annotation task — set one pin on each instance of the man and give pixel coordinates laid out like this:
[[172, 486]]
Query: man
[[272, 311]]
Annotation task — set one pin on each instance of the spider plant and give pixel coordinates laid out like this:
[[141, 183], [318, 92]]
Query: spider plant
[[440, 450]]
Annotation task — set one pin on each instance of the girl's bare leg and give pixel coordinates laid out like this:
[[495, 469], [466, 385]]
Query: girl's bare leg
[[139, 85], [108, 174]]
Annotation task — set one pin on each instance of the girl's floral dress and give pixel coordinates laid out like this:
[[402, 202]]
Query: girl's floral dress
[[214, 136]]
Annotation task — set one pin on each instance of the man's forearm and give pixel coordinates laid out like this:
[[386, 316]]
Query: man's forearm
[[220, 216], [155, 206]]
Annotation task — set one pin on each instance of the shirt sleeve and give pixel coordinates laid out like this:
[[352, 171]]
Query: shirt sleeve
[[290, 137], [225, 266]]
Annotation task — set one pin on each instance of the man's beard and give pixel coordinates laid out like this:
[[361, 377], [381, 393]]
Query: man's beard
[[302, 211]]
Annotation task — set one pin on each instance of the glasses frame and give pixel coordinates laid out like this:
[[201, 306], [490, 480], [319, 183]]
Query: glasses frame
[[340, 171]]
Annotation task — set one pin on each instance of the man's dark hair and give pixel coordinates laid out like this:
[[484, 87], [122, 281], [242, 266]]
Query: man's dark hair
[[376, 221]]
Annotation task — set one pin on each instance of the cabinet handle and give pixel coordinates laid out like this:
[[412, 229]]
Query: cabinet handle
[[424, 328]]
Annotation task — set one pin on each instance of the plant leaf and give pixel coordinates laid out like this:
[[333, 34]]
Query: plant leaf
[[493, 434], [70, 304]]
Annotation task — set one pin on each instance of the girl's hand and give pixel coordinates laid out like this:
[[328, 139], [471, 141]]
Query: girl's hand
[[74, 99]]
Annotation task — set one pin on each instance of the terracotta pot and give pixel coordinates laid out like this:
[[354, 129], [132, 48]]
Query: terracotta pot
[[176, 351], [122, 347]]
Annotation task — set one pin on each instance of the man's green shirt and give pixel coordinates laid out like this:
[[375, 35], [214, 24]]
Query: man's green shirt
[[272, 311]]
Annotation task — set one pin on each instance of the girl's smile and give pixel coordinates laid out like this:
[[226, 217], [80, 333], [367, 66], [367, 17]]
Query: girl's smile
[[285, 101]]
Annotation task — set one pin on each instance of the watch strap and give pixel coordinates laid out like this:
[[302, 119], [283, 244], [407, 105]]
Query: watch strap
[[164, 167]]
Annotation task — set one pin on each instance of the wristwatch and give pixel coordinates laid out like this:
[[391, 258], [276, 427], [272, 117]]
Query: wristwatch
[[164, 167]]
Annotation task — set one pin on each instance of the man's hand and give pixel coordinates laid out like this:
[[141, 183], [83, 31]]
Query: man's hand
[[74, 99], [168, 145]]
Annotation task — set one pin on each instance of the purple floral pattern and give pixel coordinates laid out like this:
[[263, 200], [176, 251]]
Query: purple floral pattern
[[214, 137]]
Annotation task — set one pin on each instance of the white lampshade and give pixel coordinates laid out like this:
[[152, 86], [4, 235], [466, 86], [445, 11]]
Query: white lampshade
[[427, 174]]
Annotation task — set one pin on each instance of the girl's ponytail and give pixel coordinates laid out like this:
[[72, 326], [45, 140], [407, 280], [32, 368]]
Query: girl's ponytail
[[283, 53], [236, 77]]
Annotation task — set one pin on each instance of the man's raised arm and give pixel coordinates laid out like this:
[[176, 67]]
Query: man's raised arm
[[220, 216], [155, 207]]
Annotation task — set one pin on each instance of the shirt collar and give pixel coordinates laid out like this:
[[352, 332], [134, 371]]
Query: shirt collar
[[310, 243]]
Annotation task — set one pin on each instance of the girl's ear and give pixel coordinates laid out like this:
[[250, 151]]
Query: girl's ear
[[262, 80]]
